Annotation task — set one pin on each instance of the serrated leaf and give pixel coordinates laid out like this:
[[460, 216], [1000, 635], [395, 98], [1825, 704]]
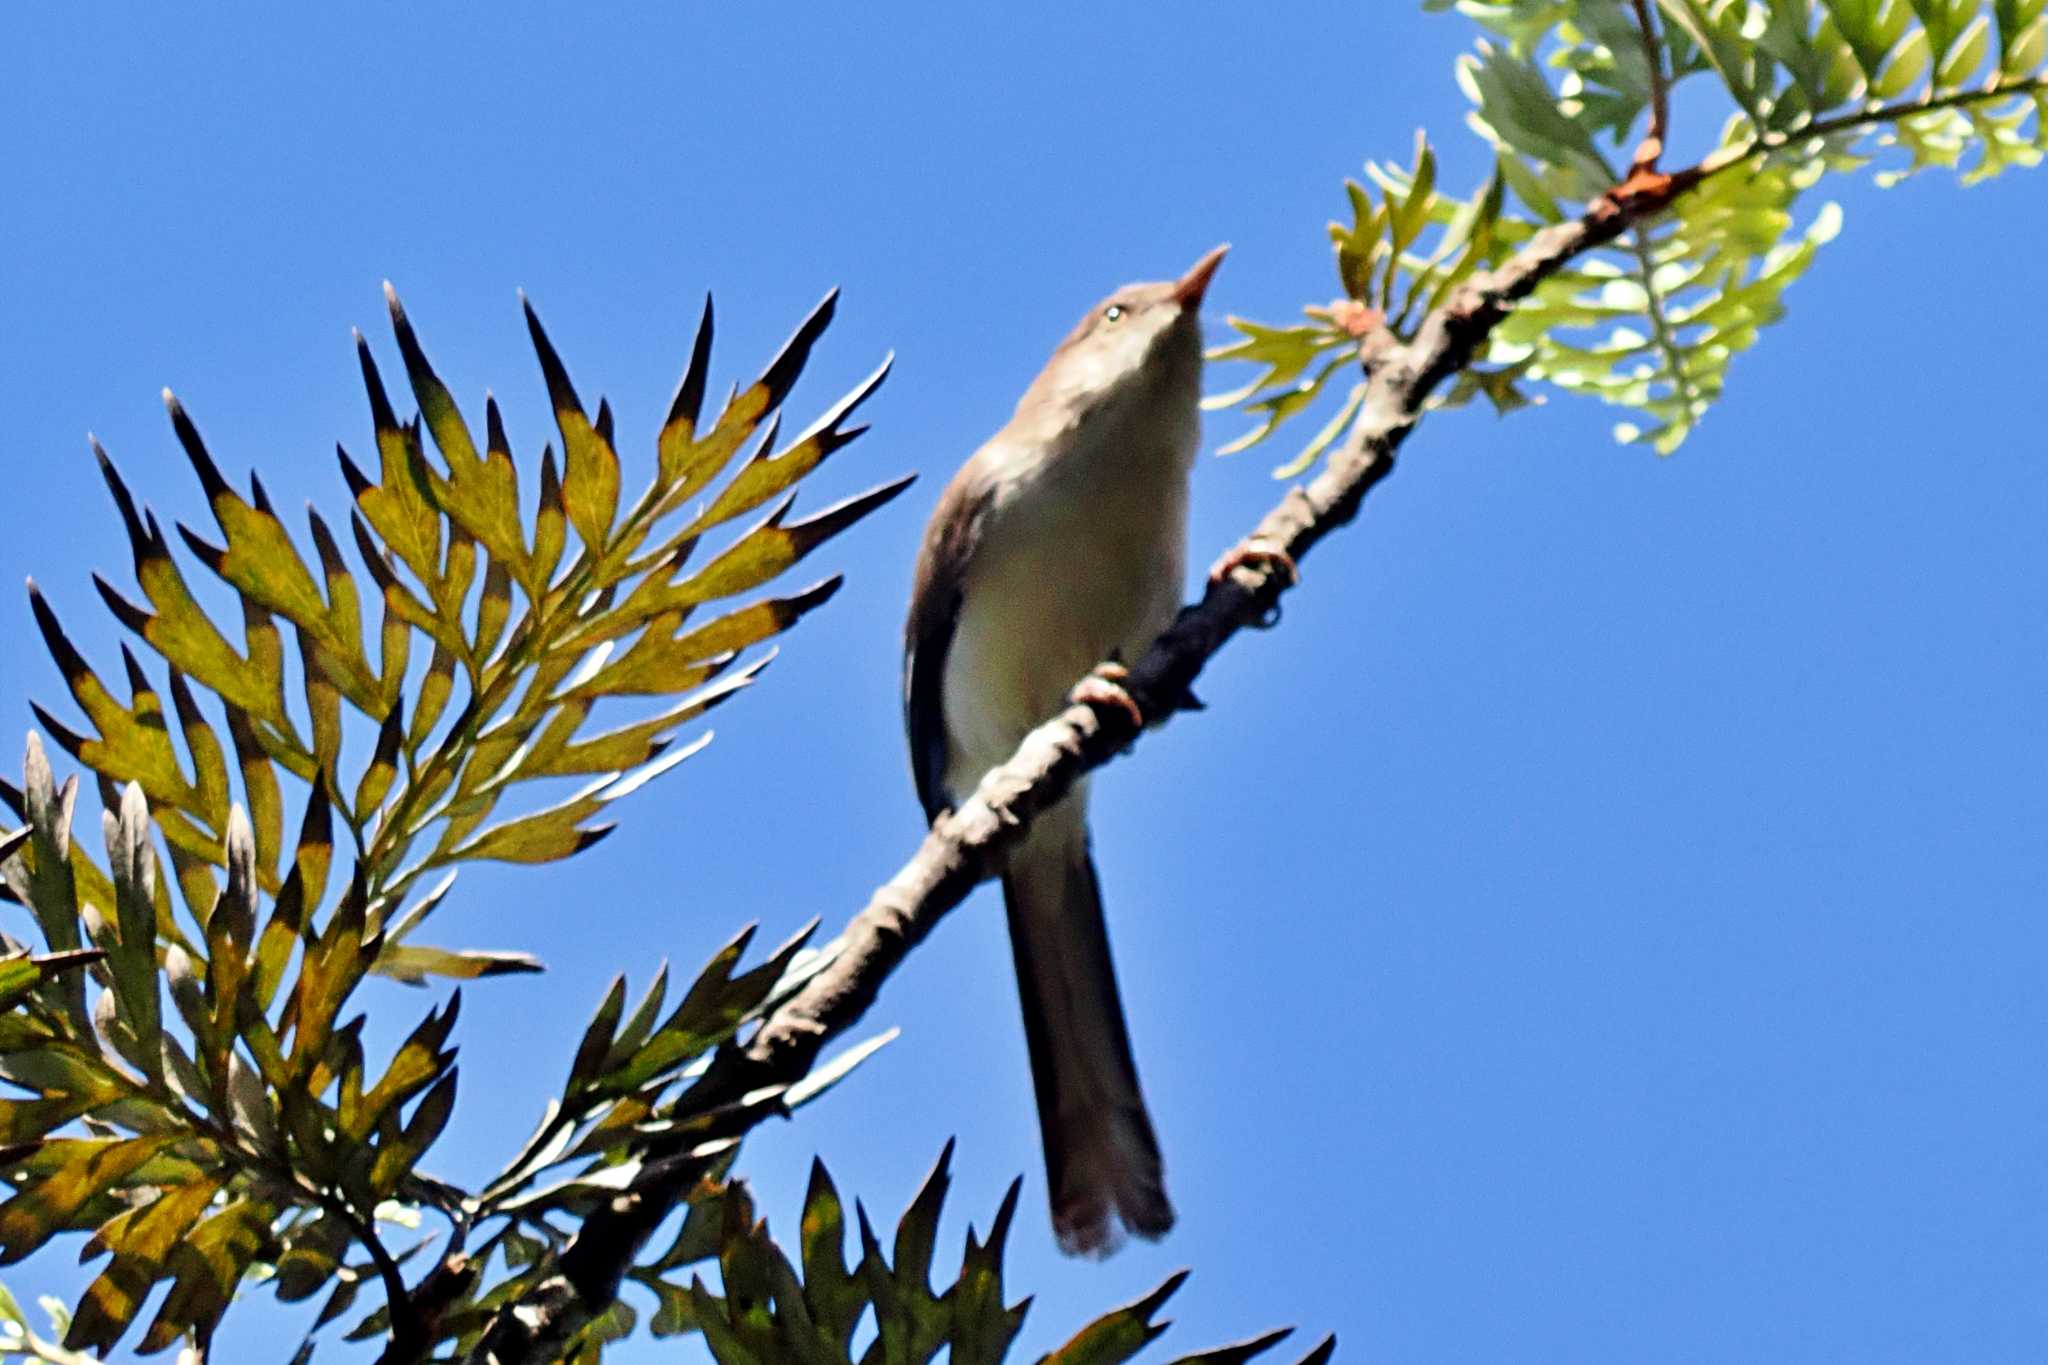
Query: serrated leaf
[[141, 1247], [1117, 1336], [545, 836], [134, 745], [421, 1059], [481, 492], [179, 630], [396, 1157], [666, 658], [984, 1327], [590, 482], [767, 474], [629, 746], [836, 1296], [689, 463], [401, 509], [761, 554], [260, 562], [40, 1210], [208, 1265]]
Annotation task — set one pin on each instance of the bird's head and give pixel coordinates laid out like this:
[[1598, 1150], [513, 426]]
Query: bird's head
[[1143, 340]]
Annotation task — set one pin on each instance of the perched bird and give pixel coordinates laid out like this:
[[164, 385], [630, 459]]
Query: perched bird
[[1059, 545]]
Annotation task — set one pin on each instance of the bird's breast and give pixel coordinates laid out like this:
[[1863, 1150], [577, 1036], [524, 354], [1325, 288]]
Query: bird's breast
[[1076, 562]]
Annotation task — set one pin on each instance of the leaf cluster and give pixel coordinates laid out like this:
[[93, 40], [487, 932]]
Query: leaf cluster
[[1652, 321], [196, 1094], [811, 1310], [625, 1109]]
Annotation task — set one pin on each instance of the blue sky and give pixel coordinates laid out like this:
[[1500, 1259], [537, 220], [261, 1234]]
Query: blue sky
[[1603, 923]]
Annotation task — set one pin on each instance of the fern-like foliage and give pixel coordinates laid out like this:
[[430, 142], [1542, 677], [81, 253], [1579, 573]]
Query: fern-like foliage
[[198, 1096], [1562, 90]]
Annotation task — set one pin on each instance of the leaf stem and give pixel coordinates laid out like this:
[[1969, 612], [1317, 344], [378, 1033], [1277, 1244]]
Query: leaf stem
[[406, 1326], [1871, 118], [1660, 323]]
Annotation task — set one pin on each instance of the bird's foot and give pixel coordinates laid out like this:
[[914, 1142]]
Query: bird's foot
[[1104, 687], [1253, 553]]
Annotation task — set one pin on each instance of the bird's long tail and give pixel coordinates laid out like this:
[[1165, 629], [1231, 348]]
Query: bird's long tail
[[1101, 1160]]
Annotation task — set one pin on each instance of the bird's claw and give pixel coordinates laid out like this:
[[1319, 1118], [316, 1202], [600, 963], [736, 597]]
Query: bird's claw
[[1253, 553], [1104, 687]]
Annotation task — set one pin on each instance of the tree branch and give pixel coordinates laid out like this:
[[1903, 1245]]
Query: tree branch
[[970, 845]]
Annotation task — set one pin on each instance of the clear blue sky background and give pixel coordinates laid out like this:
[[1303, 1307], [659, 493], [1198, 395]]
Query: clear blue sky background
[[1604, 923]]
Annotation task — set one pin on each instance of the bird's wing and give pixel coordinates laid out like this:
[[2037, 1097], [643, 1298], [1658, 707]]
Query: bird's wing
[[949, 543]]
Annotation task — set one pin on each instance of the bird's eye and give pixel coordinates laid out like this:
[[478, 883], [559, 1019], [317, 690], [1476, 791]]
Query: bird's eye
[[1113, 312]]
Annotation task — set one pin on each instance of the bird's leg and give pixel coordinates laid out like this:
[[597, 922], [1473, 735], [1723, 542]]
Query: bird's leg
[[1104, 686], [1251, 553]]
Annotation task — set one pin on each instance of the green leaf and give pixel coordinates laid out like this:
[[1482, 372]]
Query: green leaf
[[375, 783], [414, 963], [481, 492], [179, 630], [689, 463], [769, 471], [629, 746], [209, 760], [551, 520], [401, 510], [45, 1207], [261, 563], [666, 658], [761, 554], [597, 1037], [1521, 111], [1966, 57], [141, 1241], [208, 1266], [1238, 1352], [834, 1296], [984, 1327], [21, 973], [1117, 1336], [590, 486], [134, 745], [397, 1157], [543, 837]]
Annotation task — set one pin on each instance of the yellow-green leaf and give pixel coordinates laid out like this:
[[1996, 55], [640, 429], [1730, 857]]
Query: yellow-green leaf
[[659, 663], [590, 483]]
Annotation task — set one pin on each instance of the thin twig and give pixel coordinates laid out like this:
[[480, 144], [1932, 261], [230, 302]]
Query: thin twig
[[1892, 113], [1728, 157], [1652, 146], [408, 1329]]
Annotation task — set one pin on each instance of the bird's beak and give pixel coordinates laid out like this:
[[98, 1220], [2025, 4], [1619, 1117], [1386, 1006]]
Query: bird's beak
[[1188, 290]]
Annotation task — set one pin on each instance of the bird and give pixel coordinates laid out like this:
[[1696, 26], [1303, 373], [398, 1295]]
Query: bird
[[1057, 551]]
